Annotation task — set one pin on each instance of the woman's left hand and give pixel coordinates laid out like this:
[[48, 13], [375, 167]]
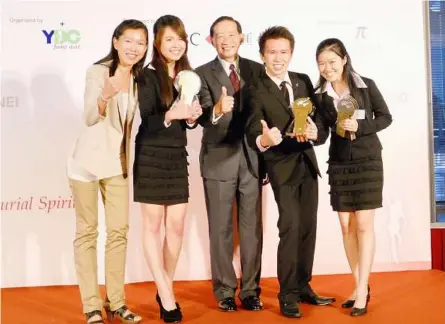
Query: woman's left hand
[[349, 124]]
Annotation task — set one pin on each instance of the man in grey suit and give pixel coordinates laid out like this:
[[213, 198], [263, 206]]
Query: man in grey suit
[[230, 168]]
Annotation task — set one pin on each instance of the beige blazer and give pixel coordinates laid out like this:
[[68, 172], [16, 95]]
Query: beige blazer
[[103, 146]]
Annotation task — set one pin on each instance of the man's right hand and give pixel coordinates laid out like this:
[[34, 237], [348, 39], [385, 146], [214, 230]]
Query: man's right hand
[[225, 103], [271, 136]]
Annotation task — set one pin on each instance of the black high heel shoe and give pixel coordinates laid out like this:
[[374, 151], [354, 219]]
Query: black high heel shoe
[[172, 316], [130, 318], [350, 302], [158, 299], [93, 313], [361, 311]]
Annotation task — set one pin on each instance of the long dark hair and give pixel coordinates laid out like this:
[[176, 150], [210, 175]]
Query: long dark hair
[[335, 45], [113, 55], [158, 61]]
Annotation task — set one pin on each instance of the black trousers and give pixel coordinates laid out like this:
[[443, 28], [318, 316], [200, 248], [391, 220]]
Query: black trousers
[[297, 224]]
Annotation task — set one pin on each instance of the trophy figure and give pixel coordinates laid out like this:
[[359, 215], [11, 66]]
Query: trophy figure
[[301, 109], [188, 84], [345, 109]]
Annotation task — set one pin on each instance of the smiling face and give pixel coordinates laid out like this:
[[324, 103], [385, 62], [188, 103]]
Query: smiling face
[[172, 46], [277, 56], [130, 46], [227, 39], [331, 66]]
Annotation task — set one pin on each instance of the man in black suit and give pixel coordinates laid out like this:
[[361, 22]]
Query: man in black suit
[[291, 165], [230, 168]]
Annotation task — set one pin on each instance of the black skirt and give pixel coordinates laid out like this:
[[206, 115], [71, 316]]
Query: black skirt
[[160, 175], [356, 185]]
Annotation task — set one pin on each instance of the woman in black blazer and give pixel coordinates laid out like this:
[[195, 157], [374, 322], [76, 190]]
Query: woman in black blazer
[[355, 161], [160, 165]]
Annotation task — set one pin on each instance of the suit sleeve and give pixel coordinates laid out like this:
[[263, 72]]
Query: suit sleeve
[[93, 88], [382, 117], [187, 125], [319, 120], [255, 115], [205, 99], [151, 116]]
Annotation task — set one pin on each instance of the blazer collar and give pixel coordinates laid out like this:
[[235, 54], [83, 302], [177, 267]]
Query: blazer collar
[[132, 95]]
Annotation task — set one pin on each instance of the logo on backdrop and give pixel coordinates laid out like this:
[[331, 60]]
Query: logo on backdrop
[[62, 38], [43, 203], [25, 20], [361, 32], [10, 102]]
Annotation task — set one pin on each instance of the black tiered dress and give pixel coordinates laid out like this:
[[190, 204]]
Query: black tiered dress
[[160, 166]]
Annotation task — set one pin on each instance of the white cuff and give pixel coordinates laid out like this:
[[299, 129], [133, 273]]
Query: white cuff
[[258, 143], [167, 125], [214, 118]]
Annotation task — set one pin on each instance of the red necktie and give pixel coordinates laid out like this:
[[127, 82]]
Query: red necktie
[[234, 78]]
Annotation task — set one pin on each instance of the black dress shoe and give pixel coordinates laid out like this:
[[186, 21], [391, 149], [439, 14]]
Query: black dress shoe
[[291, 310], [252, 303], [314, 299], [227, 304], [350, 302]]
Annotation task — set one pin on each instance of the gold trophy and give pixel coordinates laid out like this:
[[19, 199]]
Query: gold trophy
[[301, 108], [346, 108]]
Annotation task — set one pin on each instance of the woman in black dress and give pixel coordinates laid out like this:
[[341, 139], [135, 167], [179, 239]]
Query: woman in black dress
[[160, 166], [355, 165]]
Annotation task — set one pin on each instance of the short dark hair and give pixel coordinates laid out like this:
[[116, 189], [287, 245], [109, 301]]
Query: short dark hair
[[223, 18], [276, 32]]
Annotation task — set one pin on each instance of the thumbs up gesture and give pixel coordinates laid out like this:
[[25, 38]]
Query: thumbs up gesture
[[311, 132], [270, 136], [112, 85], [225, 103]]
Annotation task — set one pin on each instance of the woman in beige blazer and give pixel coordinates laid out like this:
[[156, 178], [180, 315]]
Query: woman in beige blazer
[[99, 161]]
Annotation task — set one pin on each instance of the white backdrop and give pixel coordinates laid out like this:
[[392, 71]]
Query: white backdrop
[[42, 89]]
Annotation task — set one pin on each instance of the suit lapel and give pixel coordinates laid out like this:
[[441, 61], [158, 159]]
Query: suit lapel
[[245, 72], [119, 100], [222, 76], [130, 107], [132, 95], [295, 85], [275, 91], [329, 108]]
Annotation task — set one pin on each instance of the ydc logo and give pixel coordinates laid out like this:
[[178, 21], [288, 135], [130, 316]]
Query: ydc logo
[[62, 38]]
